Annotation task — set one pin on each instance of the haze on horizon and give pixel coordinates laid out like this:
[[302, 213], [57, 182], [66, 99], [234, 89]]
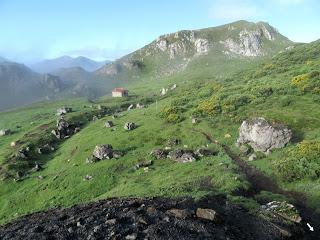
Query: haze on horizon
[[34, 30]]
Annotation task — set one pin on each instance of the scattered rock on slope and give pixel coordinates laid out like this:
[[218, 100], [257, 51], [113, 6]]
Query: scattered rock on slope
[[5, 132], [263, 136], [109, 124], [63, 111], [102, 152], [129, 126], [64, 129]]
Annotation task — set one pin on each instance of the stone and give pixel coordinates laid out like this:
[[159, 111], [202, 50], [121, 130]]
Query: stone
[[117, 154], [252, 157], [23, 153], [204, 152], [5, 132], [130, 107], [131, 236], [129, 126], [283, 209], [140, 106], [143, 164], [163, 91], [180, 213], [36, 168], [159, 153], [263, 136], [13, 144], [194, 121], [102, 152], [174, 86], [182, 156], [64, 129], [63, 111], [109, 124], [173, 142], [87, 178], [95, 118], [208, 214]]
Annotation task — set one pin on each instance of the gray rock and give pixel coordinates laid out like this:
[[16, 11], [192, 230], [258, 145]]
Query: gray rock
[[159, 153], [262, 136], [204, 152], [63, 130], [129, 126], [130, 107], [180, 213], [252, 157], [63, 111], [102, 152], [182, 156], [5, 132], [109, 124], [208, 214], [140, 106], [143, 164]]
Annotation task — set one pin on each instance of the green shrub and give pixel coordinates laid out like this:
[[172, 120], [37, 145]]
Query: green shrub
[[210, 106], [301, 161], [233, 102], [309, 82]]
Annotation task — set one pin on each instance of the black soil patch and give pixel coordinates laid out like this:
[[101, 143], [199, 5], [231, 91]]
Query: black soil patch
[[145, 219]]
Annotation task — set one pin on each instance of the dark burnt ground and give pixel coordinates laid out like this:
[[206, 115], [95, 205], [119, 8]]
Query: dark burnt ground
[[260, 182], [145, 219]]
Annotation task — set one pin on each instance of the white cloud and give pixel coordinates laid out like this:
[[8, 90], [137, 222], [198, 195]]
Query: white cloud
[[233, 10]]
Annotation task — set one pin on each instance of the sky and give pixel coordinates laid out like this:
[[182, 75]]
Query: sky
[[32, 30]]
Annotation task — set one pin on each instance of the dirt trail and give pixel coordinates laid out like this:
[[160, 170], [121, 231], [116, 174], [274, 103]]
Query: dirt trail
[[261, 182]]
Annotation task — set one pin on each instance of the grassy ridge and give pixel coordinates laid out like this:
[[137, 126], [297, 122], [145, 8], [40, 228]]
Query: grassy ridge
[[220, 101]]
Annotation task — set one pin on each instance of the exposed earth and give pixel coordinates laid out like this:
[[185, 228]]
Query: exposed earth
[[149, 218]]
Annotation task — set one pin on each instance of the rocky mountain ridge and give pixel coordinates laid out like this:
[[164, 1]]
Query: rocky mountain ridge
[[175, 51]]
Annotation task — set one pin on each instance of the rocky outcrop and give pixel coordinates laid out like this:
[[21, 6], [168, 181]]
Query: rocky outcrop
[[64, 129], [179, 43], [249, 43], [263, 136]]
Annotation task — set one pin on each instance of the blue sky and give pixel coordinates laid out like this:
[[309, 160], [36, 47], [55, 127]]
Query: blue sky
[[107, 29]]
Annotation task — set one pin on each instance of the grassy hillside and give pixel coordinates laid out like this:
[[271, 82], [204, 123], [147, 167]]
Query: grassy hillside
[[284, 89]]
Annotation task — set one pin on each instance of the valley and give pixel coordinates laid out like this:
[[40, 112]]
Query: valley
[[195, 89]]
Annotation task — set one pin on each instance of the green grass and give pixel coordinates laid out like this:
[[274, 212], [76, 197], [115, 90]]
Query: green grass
[[64, 170]]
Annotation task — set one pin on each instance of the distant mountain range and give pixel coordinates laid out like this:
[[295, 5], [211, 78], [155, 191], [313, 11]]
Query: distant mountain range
[[192, 50], [53, 65]]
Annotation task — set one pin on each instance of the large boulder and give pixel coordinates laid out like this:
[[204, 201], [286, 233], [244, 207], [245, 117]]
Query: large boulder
[[64, 129], [102, 152], [5, 132], [263, 136]]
